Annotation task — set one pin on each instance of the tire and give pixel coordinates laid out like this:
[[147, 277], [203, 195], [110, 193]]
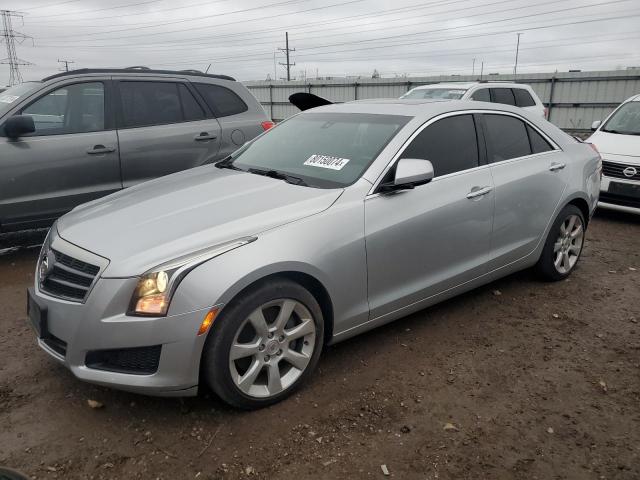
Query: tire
[[265, 349], [564, 245]]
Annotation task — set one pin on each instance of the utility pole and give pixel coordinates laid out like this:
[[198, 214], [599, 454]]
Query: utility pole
[[66, 64], [481, 69], [287, 50], [515, 66], [473, 67], [9, 35]]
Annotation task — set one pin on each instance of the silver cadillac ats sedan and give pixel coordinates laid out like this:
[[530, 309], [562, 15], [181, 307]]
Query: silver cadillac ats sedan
[[338, 220]]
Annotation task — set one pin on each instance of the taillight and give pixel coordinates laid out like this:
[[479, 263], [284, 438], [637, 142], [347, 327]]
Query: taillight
[[267, 124], [546, 113], [595, 149]]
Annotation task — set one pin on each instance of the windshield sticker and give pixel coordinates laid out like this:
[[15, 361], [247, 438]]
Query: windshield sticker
[[8, 98], [326, 161]]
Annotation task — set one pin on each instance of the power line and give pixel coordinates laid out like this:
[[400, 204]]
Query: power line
[[9, 36], [97, 10], [287, 50]]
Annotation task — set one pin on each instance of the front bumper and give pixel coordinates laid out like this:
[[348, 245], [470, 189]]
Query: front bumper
[[74, 330], [617, 201]]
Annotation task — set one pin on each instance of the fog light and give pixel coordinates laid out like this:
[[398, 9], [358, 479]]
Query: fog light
[[207, 321]]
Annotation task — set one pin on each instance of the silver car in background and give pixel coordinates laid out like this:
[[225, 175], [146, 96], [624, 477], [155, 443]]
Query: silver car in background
[[340, 219]]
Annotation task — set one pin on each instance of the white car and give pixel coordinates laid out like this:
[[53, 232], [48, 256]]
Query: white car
[[517, 94], [618, 140]]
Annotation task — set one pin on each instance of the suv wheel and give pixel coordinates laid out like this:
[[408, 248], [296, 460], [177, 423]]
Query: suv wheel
[[563, 246], [264, 345]]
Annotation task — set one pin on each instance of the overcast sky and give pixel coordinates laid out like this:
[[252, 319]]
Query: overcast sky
[[331, 37]]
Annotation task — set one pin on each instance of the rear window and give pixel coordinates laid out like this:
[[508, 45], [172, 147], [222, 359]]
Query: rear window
[[436, 93], [523, 98], [223, 101], [481, 95]]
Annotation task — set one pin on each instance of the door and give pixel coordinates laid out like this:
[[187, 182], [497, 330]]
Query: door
[[162, 129], [530, 178], [71, 158], [423, 241]]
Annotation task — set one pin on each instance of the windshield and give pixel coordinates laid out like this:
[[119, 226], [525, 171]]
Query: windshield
[[436, 93], [625, 121], [325, 150], [13, 94]]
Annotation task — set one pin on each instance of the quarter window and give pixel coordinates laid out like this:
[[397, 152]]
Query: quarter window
[[503, 95], [190, 106], [481, 95], [507, 137], [538, 143], [449, 144], [221, 100], [77, 108], [523, 98]]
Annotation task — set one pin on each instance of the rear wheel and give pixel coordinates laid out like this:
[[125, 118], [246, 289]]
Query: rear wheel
[[264, 345], [563, 246]]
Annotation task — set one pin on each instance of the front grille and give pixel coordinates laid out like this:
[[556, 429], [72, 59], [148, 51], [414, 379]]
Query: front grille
[[139, 360], [625, 201], [611, 169], [69, 278]]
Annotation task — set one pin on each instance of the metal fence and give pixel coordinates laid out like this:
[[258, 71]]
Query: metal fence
[[574, 99]]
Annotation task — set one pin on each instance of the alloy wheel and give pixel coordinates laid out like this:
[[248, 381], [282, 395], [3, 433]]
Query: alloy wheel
[[568, 245], [272, 348]]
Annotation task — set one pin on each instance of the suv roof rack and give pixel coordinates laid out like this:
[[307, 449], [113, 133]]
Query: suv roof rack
[[138, 68]]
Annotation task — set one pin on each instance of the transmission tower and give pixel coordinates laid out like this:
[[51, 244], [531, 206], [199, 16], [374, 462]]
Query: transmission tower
[[9, 36], [287, 50]]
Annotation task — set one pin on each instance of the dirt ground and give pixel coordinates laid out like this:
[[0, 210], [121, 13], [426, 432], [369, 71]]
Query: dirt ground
[[516, 380]]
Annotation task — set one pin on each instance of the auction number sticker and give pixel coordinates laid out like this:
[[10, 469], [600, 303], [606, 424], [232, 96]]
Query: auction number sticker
[[8, 98], [326, 161]]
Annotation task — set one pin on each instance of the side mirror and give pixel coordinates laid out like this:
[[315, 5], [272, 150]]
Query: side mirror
[[595, 125], [19, 125], [410, 172]]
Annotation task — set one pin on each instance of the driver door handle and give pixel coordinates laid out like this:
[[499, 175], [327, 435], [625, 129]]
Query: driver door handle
[[478, 192], [557, 166], [205, 136], [97, 149]]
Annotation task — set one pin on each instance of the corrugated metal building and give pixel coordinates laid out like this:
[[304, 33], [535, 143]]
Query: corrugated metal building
[[575, 99]]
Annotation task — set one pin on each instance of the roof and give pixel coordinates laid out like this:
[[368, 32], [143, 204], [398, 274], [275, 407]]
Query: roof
[[138, 70]]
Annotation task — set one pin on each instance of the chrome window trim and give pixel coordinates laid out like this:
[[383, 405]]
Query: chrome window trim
[[429, 122]]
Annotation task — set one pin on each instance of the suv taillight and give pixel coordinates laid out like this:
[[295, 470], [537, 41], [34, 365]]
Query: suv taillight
[[546, 113], [266, 125]]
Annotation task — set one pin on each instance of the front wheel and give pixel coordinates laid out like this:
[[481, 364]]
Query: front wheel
[[264, 345], [563, 246]]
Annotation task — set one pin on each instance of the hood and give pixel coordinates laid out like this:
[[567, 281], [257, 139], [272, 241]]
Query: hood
[[616, 144], [157, 221]]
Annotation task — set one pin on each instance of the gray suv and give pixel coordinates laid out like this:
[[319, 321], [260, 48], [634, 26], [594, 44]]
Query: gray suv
[[80, 135]]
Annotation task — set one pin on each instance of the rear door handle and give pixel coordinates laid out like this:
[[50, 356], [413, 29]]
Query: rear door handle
[[557, 166], [97, 149], [204, 136], [478, 192]]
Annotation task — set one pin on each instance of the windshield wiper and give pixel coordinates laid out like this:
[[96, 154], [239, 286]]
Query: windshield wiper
[[279, 175], [620, 132], [227, 163]]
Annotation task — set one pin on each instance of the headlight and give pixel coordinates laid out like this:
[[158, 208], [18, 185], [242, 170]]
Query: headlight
[[156, 287]]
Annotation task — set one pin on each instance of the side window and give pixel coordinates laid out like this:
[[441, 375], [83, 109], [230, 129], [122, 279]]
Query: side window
[[481, 95], [77, 108], [538, 143], [523, 98], [503, 95], [150, 103], [190, 107], [507, 137], [221, 100], [449, 144]]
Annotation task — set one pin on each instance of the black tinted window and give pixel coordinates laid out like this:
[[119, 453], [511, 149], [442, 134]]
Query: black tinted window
[[221, 100], [503, 95], [507, 137], [523, 98], [449, 144], [538, 143], [481, 95], [190, 107], [150, 103], [77, 108]]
